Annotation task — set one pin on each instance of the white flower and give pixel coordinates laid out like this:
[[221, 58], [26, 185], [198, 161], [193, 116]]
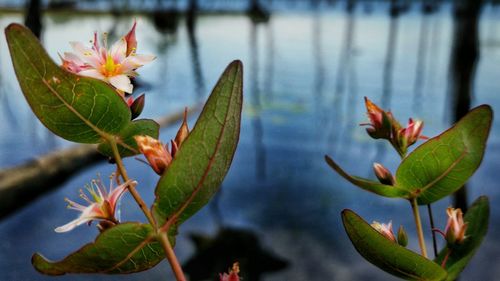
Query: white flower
[[101, 207], [114, 65]]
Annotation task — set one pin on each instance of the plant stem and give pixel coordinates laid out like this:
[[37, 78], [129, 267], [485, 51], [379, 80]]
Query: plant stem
[[431, 219], [445, 259], [169, 252], [171, 257], [131, 188], [418, 224]]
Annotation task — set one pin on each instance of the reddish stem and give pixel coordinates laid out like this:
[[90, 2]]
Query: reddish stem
[[443, 264]]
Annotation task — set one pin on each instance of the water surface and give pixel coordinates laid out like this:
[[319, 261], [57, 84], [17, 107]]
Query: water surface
[[306, 73]]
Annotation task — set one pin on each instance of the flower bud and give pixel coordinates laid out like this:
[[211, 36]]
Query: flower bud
[[157, 154], [402, 237], [374, 113], [455, 228], [409, 135], [381, 122], [450, 237], [136, 106], [383, 174], [182, 134]]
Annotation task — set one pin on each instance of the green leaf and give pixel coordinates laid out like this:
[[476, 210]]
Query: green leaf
[[477, 218], [76, 108], [124, 248], [204, 158], [443, 164], [388, 255], [368, 185], [127, 145]]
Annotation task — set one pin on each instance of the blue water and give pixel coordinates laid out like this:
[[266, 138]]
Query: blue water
[[304, 88]]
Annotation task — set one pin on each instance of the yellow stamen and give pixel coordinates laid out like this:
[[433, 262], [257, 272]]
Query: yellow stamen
[[110, 68]]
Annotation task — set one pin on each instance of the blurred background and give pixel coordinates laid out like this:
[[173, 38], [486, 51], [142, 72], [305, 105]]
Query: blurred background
[[308, 65]]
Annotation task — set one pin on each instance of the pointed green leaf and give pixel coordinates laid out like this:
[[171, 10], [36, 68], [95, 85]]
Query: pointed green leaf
[[443, 164], [204, 158], [477, 218], [127, 145], [76, 108], [368, 185], [388, 255], [125, 248]]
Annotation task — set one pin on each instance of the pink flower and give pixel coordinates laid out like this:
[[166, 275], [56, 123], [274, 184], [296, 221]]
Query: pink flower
[[381, 122], [412, 132], [157, 154], [102, 204], [385, 229], [114, 65], [455, 228], [375, 115], [383, 125], [232, 275]]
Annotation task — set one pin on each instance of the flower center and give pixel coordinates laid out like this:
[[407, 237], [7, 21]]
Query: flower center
[[110, 68]]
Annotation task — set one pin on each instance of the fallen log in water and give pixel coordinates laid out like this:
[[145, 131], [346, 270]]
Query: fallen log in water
[[21, 184]]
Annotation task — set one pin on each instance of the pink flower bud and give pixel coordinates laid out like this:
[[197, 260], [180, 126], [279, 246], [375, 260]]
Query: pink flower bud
[[381, 122], [412, 132], [157, 154], [374, 114], [182, 134], [455, 228], [136, 106], [383, 174]]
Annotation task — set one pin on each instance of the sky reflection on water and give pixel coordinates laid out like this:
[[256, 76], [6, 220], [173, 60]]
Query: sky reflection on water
[[305, 76]]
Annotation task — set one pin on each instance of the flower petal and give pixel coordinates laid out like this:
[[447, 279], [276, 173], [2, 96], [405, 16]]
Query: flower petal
[[73, 57], [131, 40], [79, 48], [87, 215], [87, 55], [93, 73], [71, 225], [121, 82], [135, 61], [115, 194], [118, 50], [72, 64], [143, 59]]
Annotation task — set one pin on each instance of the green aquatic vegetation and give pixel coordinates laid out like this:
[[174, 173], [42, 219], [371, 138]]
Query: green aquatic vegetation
[[87, 100], [435, 169]]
